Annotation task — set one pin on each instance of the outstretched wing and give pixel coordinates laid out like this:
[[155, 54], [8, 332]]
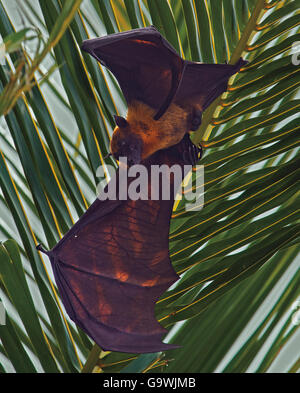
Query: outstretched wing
[[203, 83], [146, 66], [114, 264]]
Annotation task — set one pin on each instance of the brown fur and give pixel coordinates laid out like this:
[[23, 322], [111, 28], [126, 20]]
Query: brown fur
[[155, 134]]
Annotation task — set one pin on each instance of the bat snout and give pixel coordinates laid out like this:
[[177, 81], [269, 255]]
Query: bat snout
[[134, 155], [130, 148]]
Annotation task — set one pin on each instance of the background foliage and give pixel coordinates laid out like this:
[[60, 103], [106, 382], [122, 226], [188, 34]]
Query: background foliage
[[235, 306]]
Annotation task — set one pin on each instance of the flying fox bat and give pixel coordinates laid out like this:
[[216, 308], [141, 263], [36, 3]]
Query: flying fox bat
[[166, 95], [113, 264]]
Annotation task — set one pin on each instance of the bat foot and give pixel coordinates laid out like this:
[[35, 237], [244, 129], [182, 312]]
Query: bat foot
[[191, 152], [196, 119]]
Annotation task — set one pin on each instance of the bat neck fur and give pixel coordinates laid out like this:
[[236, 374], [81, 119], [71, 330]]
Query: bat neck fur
[[157, 134]]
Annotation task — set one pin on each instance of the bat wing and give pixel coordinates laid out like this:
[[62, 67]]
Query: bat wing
[[114, 264], [146, 66], [203, 83]]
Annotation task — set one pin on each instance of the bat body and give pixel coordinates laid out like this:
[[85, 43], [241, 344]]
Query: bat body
[[166, 95], [113, 264], [141, 135]]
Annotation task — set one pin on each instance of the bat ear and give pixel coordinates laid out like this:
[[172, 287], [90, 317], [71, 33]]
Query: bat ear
[[120, 121]]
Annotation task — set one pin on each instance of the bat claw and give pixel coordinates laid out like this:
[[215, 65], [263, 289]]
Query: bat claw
[[39, 247], [191, 153], [194, 156], [196, 120]]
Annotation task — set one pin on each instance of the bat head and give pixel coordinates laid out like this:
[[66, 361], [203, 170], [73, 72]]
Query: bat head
[[124, 143]]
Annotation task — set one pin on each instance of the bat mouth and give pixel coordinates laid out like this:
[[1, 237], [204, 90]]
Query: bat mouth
[[135, 157], [130, 151]]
